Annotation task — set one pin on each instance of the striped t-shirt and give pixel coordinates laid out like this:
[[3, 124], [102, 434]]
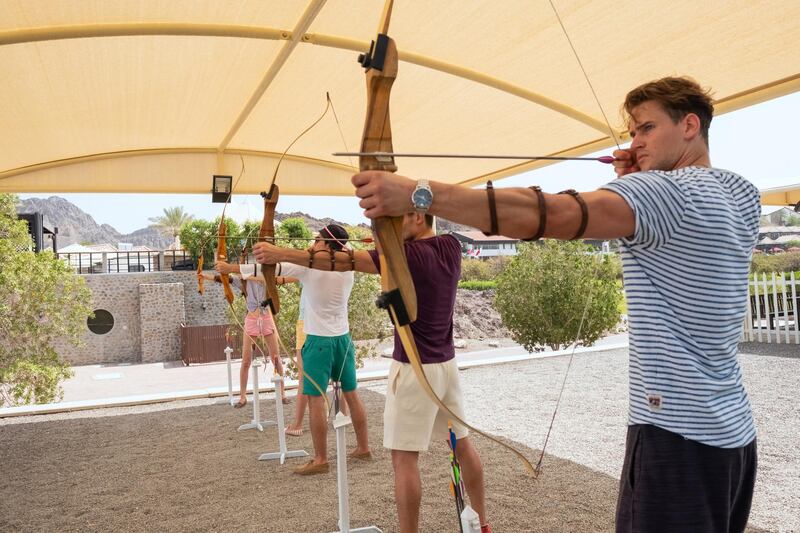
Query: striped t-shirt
[[686, 281]]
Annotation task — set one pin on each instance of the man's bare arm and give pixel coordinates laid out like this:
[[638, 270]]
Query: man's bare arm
[[518, 215], [270, 254]]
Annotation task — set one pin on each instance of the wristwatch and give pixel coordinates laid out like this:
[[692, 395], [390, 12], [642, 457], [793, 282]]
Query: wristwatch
[[422, 197]]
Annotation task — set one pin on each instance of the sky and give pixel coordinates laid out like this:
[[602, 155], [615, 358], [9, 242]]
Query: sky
[[758, 142]]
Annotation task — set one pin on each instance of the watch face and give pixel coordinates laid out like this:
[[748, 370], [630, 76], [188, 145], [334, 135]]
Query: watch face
[[423, 198]]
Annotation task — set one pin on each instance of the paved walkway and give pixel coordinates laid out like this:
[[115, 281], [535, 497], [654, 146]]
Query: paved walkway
[[116, 385]]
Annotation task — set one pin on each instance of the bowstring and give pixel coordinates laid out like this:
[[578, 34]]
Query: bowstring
[[597, 267]]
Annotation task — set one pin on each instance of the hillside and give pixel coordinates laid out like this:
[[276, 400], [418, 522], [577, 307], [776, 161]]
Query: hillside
[[76, 226]]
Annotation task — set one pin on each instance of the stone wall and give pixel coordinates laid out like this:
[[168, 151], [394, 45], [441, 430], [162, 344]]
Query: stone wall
[[121, 295], [161, 313]]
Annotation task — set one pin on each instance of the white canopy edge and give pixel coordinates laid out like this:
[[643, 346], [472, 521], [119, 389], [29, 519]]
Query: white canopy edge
[[181, 171]]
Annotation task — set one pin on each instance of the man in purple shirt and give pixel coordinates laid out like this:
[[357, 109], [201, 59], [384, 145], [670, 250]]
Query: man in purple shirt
[[411, 419]]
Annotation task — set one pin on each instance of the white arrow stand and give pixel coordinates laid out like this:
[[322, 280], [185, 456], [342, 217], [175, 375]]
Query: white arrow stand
[[256, 423], [228, 352], [283, 453], [340, 423]]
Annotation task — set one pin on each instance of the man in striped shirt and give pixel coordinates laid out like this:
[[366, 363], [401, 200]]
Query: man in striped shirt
[[687, 232]]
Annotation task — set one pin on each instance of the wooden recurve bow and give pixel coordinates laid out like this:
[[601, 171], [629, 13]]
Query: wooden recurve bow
[[398, 296]]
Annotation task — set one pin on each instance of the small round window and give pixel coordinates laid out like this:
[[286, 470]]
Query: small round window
[[102, 322]]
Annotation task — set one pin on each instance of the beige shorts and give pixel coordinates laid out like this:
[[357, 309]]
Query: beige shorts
[[410, 418], [299, 336]]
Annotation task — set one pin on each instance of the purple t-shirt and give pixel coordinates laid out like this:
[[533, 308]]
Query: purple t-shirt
[[435, 266]]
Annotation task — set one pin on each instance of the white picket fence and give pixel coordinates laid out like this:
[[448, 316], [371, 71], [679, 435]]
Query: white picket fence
[[772, 310]]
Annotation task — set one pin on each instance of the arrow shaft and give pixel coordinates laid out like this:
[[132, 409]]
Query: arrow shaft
[[603, 159]]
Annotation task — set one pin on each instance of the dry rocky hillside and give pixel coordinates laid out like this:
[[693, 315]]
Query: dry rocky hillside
[[476, 318]]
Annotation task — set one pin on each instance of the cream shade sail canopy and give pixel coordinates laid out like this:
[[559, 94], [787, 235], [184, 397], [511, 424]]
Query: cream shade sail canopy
[[157, 96]]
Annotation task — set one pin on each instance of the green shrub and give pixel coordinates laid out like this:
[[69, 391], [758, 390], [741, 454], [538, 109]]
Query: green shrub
[[477, 285], [785, 262], [475, 270], [41, 300], [544, 293]]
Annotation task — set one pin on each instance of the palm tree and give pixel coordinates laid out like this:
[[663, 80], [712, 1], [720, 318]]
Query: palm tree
[[171, 222]]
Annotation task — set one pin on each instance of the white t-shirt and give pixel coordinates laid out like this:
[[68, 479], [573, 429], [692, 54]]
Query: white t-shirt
[[324, 298]]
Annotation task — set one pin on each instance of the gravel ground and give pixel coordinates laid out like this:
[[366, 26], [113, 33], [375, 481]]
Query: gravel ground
[[590, 423], [186, 469]]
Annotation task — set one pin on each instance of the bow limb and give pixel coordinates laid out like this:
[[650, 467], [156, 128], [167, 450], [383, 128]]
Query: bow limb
[[200, 279], [399, 295], [222, 255], [266, 233]]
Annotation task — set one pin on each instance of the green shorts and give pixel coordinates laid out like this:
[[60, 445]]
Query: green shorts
[[326, 358]]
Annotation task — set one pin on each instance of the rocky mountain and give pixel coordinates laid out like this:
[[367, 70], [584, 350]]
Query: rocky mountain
[[445, 226], [76, 226], [314, 224]]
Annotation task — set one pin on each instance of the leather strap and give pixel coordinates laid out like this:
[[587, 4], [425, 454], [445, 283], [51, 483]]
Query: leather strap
[[542, 213], [584, 212], [492, 210]]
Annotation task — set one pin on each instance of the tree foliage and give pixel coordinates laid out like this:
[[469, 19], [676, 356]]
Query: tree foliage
[[41, 300], [545, 290], [792, 220], [171, 222], [295, 233], [199, 237], [786, 262]]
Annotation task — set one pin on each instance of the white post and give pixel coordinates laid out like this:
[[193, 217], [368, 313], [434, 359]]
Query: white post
[[775, 310], [758, 306], [796, 305], [785, 288], [256, 423], [283, 453], [340, 423], [747, 331], [228, 352], [766, 306]]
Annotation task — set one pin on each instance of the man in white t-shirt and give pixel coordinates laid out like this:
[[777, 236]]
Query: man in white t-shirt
[[328, 352]]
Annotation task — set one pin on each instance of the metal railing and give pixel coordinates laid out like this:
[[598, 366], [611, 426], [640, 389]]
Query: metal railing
[[128, 261]]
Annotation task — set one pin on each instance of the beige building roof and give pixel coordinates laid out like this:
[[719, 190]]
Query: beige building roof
[[157, 96]]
